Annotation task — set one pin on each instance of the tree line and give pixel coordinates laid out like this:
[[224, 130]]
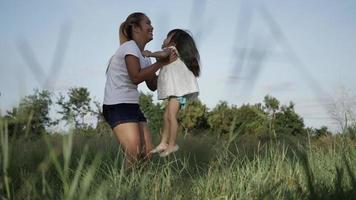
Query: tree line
[[32, 116]]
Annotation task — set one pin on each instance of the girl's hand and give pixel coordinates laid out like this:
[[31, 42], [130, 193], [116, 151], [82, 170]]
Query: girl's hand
[[146, 53]]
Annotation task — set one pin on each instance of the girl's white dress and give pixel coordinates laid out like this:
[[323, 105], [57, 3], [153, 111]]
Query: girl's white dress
[[175, 79]]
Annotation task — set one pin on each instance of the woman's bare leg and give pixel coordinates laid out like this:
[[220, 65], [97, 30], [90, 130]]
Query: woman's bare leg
[[128, 135]]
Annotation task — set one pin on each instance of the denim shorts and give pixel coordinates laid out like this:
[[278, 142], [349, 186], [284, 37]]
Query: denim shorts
[[122, 113], [182, 102]]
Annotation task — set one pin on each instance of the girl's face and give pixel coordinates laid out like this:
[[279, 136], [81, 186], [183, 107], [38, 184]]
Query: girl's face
[[146, 29], [167, 42]]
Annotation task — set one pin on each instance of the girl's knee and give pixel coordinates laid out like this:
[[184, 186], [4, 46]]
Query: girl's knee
[[172, 118], [166, 118]]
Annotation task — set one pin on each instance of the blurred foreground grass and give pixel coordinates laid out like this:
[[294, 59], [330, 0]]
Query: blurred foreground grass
[[84, 166]]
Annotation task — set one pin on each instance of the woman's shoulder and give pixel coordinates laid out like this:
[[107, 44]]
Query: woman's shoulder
[[128, 47], [128, 44]]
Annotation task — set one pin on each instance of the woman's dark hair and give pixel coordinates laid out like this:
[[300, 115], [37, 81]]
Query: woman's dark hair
[[187, 49], [127, 26], [125, 30]]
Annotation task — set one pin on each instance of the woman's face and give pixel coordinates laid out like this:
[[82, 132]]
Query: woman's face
[[146, 29]]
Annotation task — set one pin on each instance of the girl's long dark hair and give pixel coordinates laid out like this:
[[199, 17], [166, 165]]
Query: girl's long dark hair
[[187, 49]]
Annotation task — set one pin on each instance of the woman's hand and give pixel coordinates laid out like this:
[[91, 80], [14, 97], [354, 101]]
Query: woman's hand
[[171, 58]]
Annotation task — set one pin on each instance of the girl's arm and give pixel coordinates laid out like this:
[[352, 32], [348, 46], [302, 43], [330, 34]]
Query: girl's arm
[[158, 54]]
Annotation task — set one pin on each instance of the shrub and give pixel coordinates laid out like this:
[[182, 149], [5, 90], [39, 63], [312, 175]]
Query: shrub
[[194, 116]]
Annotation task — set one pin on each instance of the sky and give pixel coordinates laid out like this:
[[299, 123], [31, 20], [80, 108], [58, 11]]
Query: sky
[[300, 51]]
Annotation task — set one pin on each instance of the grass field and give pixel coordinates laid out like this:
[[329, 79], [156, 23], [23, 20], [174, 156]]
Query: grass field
[[78, 166]]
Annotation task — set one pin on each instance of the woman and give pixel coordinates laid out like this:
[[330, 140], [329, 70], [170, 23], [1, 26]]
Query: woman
[[128, 68]]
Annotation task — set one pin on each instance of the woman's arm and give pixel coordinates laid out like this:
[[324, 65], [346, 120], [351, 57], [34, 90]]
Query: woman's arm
[[163, 55], [138, 74], [148, 74], [152, 83]]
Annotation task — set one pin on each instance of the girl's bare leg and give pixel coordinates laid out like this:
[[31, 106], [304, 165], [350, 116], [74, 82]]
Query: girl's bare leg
[[147, 140], [165, 134], [173, 108]]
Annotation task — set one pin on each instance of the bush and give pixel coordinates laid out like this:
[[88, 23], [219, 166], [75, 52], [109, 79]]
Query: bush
[[153, 112], [194, 116], [251, 120], [221, 118]]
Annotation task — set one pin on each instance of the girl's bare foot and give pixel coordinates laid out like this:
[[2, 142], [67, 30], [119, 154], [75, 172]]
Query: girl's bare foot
[[169, 150], [161, 147]]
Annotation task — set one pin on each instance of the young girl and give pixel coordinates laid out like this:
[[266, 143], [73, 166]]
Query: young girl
[[176, 83]]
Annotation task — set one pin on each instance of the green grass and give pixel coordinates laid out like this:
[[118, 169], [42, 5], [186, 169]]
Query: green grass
[[248, 167]]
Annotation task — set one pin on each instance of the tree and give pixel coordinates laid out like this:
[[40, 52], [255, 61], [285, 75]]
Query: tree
[[288, 121], [32, 114], [102, 127], [342, 109], [76, 108], [272, 106]]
